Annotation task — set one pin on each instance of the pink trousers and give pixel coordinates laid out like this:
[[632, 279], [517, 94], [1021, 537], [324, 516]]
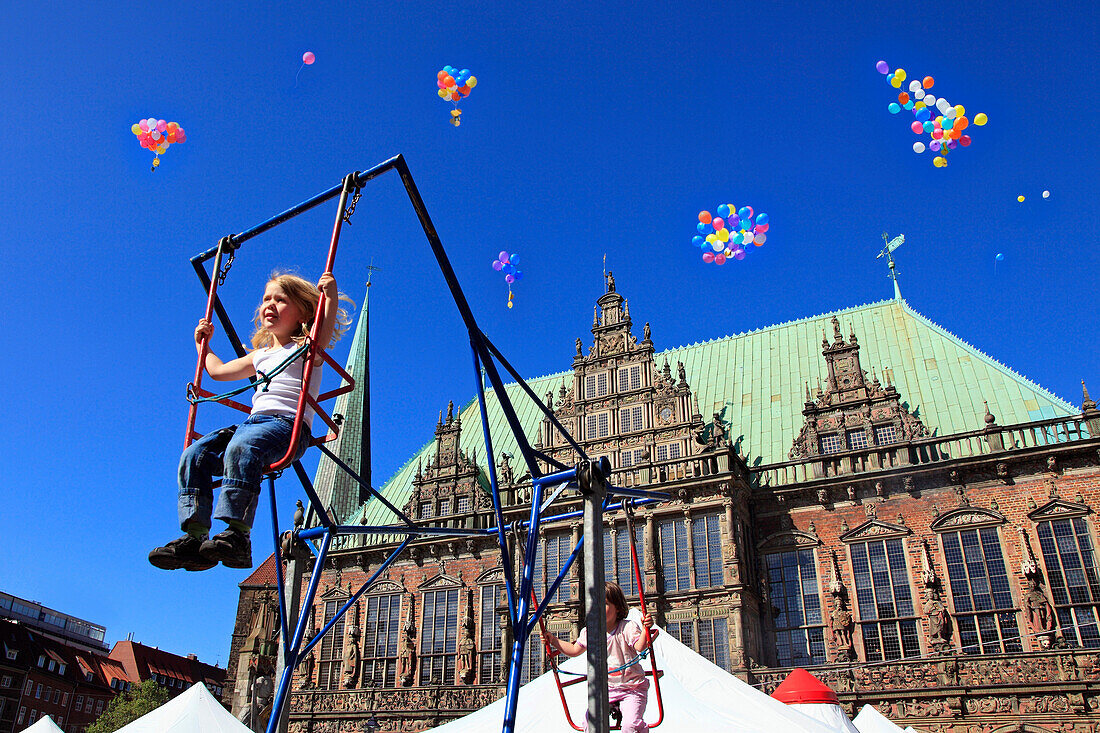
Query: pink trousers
[[632, 700]]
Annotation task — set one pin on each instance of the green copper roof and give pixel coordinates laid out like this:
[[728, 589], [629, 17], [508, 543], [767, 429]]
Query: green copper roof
[[757, 380]]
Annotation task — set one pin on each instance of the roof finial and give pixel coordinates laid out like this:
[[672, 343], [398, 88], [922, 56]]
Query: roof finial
[[851, 332], [1086, 403], [808, 392], [989, 418], [595, 315]]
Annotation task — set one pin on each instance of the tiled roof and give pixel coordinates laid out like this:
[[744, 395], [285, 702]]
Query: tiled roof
[[263, 575], [757, 380]]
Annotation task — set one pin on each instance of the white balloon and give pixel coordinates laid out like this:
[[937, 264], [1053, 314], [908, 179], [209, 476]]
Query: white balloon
[[914, 85], [930, 100], [919, 94], [1046, 194], [718, 246], [918, 147], [950, 113]]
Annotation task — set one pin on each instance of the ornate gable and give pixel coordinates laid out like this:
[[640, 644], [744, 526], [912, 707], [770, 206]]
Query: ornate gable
[[875, 529], [787, 540], [1059, 509], [851, 412], [967, 516], [619, 402], [386, 586], [450, 482], [440, 582], [490, 577]]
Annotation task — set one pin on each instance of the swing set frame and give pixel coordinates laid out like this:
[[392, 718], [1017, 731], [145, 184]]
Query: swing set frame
[[525, 610]]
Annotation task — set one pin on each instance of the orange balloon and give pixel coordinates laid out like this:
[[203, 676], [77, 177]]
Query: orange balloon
[[455, 97], [704, 217], [449, 80], [961, 123], [441, 75], [903, 98], [464, 90], [928, 82]]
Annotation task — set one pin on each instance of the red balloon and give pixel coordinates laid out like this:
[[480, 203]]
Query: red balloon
[[720, 259], [717, 223], [917, 127], [308, 58], [903, 98], [964, 140]]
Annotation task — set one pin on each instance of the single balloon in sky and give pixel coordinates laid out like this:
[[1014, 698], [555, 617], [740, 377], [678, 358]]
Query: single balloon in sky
[[307, 60], [1020, 198], [1046, 194]]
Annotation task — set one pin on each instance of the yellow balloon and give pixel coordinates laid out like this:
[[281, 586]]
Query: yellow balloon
[[919, 105], [960, 110], [135, 128], [442, 93], [1020, 199], [980, 119], [712, 238], [895, 83], [471, 82], [723, 234], [939, 161], [900, 74]]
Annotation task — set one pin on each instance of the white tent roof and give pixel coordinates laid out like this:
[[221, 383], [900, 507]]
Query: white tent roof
[[870, 720], [194, 711], [830, 714], [44, 725], [697, 696]]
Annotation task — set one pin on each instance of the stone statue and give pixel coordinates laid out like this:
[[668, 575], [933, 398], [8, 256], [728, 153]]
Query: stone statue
[[406, 661], [718, 437], [467, 656], [939, 623], [681, 373], [840, 623], [610, 282], [350, 677], [1038, 611], [646, 332], [260, 695], [579, 347], [505, 476]]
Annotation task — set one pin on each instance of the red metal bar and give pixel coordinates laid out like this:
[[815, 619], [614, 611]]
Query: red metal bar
[[205, 344], [315, 349], [628, 510], [552, 656]]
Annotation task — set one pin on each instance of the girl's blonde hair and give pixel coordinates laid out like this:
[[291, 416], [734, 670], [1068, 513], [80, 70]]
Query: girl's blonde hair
[[614, 595], [305, 296]]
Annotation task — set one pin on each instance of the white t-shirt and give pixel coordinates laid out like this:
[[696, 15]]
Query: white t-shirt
[[281, 397]]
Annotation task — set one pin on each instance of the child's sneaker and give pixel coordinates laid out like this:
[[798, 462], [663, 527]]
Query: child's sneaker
[[182, 553], [232, 548]]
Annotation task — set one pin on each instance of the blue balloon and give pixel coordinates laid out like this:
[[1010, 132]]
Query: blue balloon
[[514, 259], [723, 211], [743, 212], [698, 241], [894, 108], [518, 275], [464, 72], [761, 218], [509, 269], [1000, 257], [702, 228], [947, 123], [909, 105], [929, 126], [924, 114]]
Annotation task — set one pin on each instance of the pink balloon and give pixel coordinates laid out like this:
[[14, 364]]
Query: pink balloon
[[161, 125], [708, 257], [917, 127], [498, 265], [503, 257], [308, 58], [717, 223], [143, 126], [719, 259]]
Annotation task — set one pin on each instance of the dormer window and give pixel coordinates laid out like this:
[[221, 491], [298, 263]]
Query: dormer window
[[41, 660], [885, 434], [857, 439], [831, 443]]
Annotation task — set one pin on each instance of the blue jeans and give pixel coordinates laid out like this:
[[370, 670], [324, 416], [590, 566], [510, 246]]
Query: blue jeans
[[240, 454]]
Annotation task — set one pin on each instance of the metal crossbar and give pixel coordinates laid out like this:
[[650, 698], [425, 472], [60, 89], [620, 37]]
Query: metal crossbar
[[524, 608]]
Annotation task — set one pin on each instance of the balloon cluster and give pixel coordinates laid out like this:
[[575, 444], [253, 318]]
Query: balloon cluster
[[730, 233], [507, 263], [157, 135], [453, 86], [945, 130]]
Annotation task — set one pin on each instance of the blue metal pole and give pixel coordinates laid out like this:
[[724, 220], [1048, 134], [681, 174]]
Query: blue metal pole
[[278, 567]]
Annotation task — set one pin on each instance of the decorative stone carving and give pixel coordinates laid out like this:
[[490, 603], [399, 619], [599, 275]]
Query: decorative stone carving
[[406, 653], [840, 619], [935, 609], [350, 677], [467, 649]]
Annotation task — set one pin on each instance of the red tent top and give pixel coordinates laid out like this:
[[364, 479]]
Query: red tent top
[[802, 687]]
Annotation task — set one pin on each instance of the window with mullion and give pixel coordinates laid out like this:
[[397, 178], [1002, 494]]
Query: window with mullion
[[799, 625], [984, 611], [706, 539], [631, 418], [675, 563], [490, 668], [617, 563], [439, 637], [714, 643], [380, 636], [1071, 572], [332, 648], [630, 377], [887, 621], [558, 548]]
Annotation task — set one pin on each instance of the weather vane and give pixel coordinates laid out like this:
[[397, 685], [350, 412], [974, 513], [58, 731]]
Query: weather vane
[[888, 252]]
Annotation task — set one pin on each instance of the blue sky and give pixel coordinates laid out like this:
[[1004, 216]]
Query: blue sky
[[595, 129]]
